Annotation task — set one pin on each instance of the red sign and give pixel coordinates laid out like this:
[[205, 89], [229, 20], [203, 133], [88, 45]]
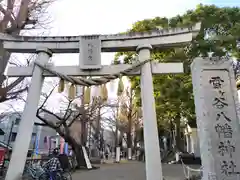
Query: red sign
[[2, 154]]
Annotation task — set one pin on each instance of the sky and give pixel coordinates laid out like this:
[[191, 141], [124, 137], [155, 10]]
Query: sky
[[225, 2], [81, 17], [77, 17]]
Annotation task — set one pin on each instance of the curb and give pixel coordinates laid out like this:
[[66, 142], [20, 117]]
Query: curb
[[114, 162]]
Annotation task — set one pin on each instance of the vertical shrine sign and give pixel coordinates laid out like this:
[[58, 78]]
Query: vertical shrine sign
[[216, 103], [90, 52]]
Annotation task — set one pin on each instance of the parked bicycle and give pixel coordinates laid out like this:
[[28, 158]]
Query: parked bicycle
[[61, 175], [33, 173], [38, 173], [73, 163]]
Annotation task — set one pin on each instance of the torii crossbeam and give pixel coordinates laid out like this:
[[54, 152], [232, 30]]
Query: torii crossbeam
[[90, 48]]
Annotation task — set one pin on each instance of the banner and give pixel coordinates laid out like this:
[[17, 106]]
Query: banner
[[36, 145], [46, 143], [66, 148], [62, 141]]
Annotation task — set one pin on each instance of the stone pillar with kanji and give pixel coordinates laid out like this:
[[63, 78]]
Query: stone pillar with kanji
[[216, 102]]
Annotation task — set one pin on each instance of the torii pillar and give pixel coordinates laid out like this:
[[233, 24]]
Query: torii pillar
[[150, 130], [25, 130]]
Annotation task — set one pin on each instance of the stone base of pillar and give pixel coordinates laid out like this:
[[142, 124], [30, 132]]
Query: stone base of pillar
[[177, 157], [129, 154], [117, 158]]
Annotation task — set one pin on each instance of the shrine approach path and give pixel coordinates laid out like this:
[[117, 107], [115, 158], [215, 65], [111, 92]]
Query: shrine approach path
[[129, 171]]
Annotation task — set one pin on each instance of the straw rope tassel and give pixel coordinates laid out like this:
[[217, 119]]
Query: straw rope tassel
[[72, 91], [120, 87], [61, 86], [87, 95]]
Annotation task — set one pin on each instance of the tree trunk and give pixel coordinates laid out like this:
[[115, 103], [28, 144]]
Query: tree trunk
[[116, 137], [129, 131], [129, 145], [84, 133], [79, 156], [98, 134], [129, 134], [172, 137], [77, 149], [4, 57], [83, 123], [134, 145], [178, 134]]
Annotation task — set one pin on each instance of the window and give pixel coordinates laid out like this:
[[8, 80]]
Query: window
[[17, 121], [13, 136]]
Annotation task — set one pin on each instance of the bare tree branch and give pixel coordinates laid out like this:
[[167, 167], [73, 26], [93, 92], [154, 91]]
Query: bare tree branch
[[80, 113], [15, 83], [46, 122], [16, 17]]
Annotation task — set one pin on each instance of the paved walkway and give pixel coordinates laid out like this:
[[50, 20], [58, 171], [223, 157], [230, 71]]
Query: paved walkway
[[128, 171]]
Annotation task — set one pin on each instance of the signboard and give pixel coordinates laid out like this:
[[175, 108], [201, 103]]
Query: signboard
[[2, 154], [90, 52]]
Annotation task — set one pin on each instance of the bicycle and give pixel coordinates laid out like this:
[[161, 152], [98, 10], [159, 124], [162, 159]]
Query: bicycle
[[33, 173], [65, 175], [40, 174], [61, 175], [72, 163]]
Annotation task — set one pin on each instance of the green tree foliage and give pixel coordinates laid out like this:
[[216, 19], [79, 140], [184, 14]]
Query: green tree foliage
[[173, 92]]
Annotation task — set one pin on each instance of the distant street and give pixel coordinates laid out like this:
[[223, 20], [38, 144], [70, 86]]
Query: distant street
[[128, 171]]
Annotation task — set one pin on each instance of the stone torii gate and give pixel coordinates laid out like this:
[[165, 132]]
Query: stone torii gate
[[90, 48]]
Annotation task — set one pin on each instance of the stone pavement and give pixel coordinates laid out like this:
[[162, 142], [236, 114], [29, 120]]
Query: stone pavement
[[128, 171]]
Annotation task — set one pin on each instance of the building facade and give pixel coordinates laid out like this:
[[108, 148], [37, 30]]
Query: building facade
[[43, 137]]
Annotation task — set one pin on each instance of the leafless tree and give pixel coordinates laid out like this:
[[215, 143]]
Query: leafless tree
[[16, 16], [126, 119], [68, 123]]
